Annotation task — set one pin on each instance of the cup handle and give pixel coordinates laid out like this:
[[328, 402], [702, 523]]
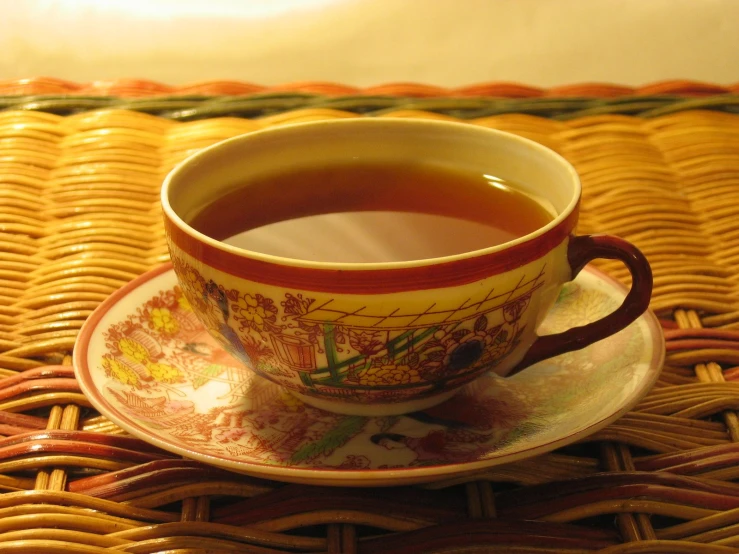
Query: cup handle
[[581, 250]]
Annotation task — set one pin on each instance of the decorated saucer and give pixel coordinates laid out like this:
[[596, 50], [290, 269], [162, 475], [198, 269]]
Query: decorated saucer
[[146, 362]]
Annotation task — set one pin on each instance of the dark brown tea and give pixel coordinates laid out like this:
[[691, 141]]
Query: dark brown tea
[[371, 213]]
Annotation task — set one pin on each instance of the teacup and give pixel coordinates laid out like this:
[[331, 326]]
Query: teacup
[[394, 337]]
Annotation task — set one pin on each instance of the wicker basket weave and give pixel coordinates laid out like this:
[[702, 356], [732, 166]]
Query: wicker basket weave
[[80, 170]]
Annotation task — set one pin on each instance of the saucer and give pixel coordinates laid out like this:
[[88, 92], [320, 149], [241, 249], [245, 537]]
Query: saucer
[[146, 362]]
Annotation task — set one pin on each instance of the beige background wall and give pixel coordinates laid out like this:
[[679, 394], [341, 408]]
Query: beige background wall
[[366, 42]]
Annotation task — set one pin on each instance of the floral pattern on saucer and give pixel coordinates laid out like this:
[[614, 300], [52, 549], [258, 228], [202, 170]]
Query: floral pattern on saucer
[[147, 363]]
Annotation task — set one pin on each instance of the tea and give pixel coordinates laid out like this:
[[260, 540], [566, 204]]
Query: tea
[[367, 212]]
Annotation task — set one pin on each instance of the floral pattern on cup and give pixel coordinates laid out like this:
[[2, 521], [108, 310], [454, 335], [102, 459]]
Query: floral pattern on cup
[[281, 340], [159, 368]]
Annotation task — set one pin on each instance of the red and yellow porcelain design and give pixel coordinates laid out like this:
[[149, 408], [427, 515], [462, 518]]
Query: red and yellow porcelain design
[[374, 339], [147, 363]]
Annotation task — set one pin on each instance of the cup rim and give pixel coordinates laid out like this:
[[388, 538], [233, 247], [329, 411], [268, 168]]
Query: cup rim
[[202, 156]]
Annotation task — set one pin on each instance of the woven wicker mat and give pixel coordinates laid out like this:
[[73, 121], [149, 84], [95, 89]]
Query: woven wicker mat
[[79, 217]]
